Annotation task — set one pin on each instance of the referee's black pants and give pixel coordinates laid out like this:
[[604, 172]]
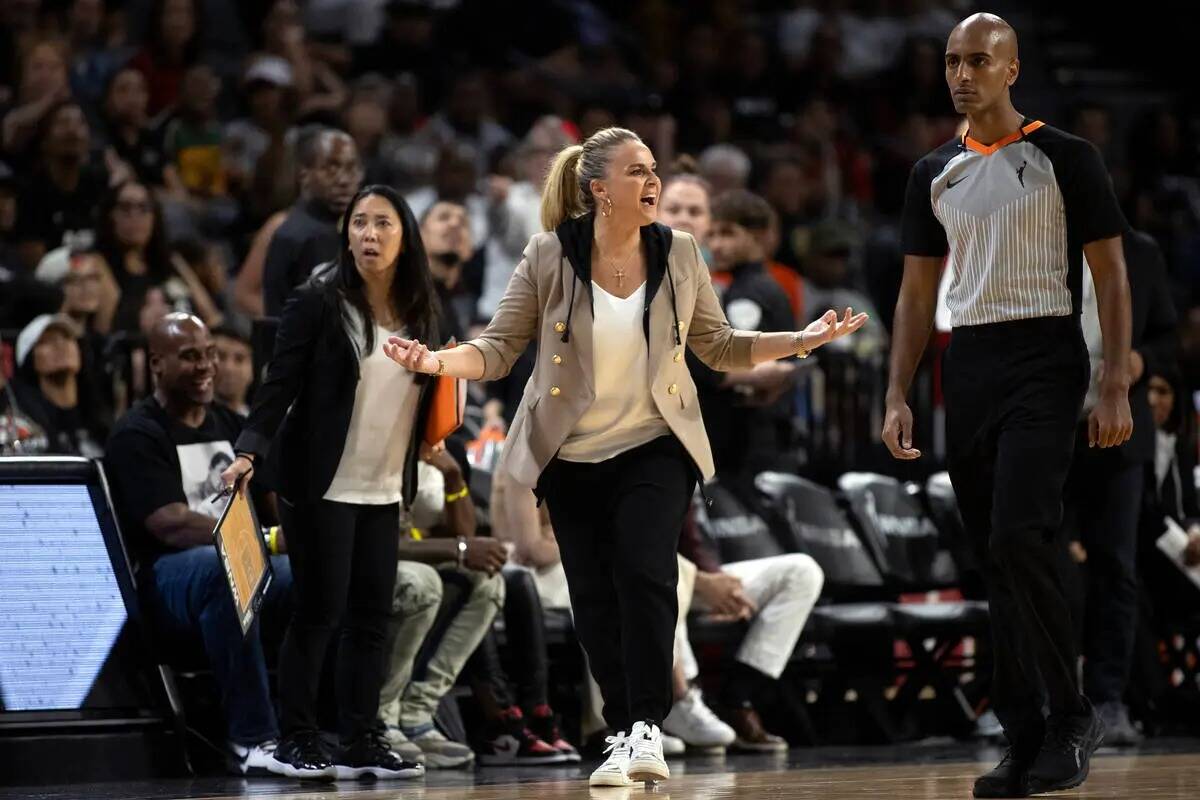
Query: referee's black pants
[[617, 523], [1013, 394]]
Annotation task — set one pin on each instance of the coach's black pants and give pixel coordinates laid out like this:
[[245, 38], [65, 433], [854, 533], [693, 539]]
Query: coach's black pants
[[617, 524], [1103, 502], [343, 560], [1013, 392]]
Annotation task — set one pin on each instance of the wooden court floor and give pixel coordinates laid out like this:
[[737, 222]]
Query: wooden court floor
[[1160, 777]]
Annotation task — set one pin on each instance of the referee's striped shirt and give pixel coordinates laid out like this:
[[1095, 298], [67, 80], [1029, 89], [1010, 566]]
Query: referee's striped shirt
[[1012, 218]]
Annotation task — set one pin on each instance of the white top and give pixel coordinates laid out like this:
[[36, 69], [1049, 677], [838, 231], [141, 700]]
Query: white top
[[371, 471], [623, 415]]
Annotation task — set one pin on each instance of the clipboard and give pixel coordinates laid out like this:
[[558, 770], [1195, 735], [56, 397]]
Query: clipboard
[[244, 556], [1172, 543]]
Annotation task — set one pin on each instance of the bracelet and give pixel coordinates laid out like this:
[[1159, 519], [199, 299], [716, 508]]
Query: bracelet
[[459, 495], [273, 540], [798, 342], [441, 370]]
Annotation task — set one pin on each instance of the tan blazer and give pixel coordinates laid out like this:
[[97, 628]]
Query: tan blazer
[[561, 389]]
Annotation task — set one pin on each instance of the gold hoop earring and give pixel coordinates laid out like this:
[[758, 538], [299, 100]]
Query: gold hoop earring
[[607, 210]]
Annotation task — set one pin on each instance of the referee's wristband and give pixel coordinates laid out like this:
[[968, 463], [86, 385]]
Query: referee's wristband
[[454, 497]]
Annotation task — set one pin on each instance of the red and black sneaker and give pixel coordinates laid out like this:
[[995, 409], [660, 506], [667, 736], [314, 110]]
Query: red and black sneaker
[[509, 742], [544, 724]]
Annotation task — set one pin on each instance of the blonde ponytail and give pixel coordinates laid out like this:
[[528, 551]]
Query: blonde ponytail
[[561, 197], [568, 191]]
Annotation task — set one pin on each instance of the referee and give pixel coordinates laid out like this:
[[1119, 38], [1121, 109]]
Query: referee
[[1012, 207]]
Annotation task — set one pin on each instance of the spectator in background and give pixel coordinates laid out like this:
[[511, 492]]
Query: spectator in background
[[514, 214], [406, 147], [90, 294], [747, 413], [786, 185], [194, 140], [774, 595], [685, 204], [235, 370], [318, 90], [93, 56], [60, 196], [53, 391], [456, 179], [330, 172], [42, 86], [725, 167], [1104, 489], [248, 285], [133, 242], [447, 237], [159, 461], [127, 132], [172, 46], [266, 91], [467, 119], [828, 284], [206, 261], [366, 120], [448, 591]]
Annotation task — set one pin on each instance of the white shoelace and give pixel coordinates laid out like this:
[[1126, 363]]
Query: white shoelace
[[649, 742], [618, 746]]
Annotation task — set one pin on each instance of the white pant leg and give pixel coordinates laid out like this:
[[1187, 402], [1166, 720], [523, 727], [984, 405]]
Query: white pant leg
[[785, 589], [686, 589]]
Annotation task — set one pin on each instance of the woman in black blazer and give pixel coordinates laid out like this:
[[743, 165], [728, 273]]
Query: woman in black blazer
[[345, 457]]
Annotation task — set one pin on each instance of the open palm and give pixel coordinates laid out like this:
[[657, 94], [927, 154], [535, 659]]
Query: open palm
[[828, 327]]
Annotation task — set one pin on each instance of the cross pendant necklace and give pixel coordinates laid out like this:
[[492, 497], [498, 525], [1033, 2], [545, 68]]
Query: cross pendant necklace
[[619, 272]]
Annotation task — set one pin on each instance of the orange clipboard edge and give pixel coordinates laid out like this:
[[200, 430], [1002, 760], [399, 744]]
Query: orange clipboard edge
[[245, 616]]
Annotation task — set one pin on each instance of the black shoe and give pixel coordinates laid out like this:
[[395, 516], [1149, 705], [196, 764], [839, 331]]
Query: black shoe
[[1010, 778], [371, 757], [303, 755], [1066, 754]]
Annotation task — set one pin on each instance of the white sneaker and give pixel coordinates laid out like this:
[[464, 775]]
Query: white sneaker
[[441, 753], [403, 746], [696, 724], [615, 770], [253, 760], [646, 762], [674, 746]]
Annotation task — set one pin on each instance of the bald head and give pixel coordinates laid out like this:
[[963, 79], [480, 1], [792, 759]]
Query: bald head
[[981, 64], [173, 330], [989, 28], [183, 360]]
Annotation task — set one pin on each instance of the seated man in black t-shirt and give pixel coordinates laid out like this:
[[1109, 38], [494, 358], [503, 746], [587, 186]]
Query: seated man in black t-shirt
[[160, 460]]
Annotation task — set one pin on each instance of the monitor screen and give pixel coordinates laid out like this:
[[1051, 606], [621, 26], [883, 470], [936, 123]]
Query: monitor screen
[[66, 639]]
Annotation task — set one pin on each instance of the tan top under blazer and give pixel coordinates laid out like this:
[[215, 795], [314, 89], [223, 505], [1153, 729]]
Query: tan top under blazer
[[537, 303]]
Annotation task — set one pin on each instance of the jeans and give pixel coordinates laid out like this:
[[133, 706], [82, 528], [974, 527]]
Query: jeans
[[343, 560], [186, 594], [1013, 392], [425, 663], [617, 523]]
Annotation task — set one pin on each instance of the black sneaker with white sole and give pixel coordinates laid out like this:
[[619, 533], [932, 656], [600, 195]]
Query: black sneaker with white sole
[[371, 758], [1063, 761], [252, 760], [303, 755]]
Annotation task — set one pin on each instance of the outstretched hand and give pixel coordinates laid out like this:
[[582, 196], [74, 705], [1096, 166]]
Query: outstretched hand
[[411, 354], [828, 327]]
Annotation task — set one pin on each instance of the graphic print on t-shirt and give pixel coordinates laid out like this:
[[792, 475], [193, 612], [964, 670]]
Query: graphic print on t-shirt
[[200, 468]]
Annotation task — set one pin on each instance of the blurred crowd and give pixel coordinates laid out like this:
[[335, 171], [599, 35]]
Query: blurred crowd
[[196, 156]]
